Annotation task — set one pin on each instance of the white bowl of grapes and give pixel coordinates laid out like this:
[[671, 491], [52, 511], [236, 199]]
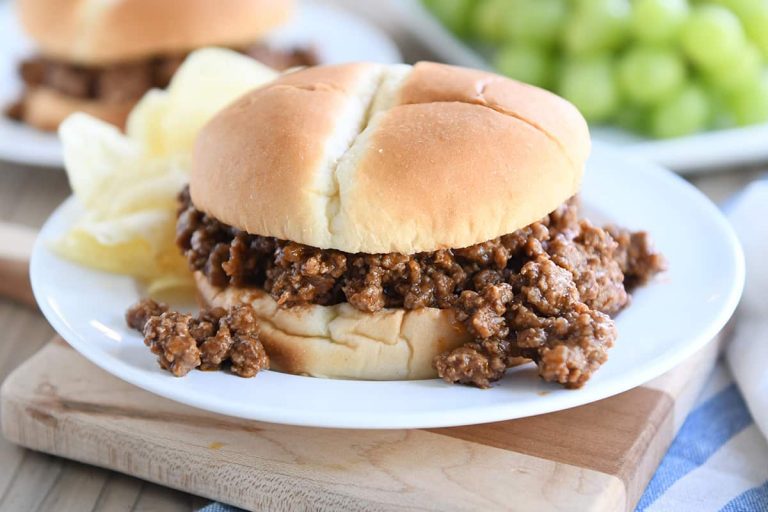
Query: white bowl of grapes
[[681, 82]]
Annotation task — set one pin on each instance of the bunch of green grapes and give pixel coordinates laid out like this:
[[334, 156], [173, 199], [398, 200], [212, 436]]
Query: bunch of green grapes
[[665, 68]]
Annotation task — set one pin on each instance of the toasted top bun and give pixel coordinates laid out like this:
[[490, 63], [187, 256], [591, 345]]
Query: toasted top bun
[[94, 32], [374, 158]]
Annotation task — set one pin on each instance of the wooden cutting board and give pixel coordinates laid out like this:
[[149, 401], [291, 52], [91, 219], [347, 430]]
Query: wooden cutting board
[[596, 457]]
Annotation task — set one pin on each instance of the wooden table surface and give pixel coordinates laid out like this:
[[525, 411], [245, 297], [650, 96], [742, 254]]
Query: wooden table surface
[[32, 481]]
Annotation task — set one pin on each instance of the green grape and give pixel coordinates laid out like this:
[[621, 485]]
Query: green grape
[[649, 75], [454, 14], [754, 17], [685, 113], [658, 21], [589, 84], [740, 7], [721, 115], [488, 20], [539, 21], [633, 118], [736, 73], [524, 62], [749, 104], [712, 35], [597, 25]]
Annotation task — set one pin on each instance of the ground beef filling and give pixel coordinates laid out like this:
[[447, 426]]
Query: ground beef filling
[[128, 81], [545, 292], [213, 338]]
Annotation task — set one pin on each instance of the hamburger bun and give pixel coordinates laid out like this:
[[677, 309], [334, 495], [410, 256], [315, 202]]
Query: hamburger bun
[[374, 158], [342, 342], [96, 33], [45, 108]]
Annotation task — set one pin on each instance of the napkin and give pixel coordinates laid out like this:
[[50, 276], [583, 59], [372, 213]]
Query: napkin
[[747, 354], [717, 462]]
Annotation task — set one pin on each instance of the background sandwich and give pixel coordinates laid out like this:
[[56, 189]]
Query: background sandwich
[[100, 58]]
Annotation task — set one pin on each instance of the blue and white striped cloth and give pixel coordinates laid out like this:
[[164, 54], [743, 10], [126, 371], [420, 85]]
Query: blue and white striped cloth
[[717, 462]]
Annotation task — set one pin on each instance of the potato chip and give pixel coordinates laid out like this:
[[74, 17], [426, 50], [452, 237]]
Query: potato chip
[[167, 122], [136, 257], [94, 153], [145, 122], [128, 183]]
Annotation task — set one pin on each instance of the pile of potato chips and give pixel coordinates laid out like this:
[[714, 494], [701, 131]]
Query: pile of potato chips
[[128, 183]]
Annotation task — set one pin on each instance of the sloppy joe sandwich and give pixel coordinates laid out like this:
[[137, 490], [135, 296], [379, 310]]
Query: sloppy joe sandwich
[[101, 57], [403, 222]]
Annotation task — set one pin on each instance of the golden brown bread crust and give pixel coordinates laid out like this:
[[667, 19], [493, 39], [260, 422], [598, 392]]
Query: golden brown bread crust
[[97, 32], [342, 342], [551, 114], [373, 158], [45, 109]]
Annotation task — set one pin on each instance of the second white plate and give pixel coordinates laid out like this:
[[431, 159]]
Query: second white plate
[[670, 319]]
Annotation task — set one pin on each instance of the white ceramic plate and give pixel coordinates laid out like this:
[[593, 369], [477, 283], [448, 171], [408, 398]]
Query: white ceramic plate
[[336, 36], [698, 153], [668, 321]]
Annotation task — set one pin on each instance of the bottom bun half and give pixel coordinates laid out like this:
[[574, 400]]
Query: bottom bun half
[[342, 342], [45, 108]]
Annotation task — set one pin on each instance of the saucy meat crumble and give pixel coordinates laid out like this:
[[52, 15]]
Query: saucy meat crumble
[[546, 292], [213, 338]]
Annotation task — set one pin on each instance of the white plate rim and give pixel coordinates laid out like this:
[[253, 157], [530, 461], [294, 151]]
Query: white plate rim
[[448, 418]]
